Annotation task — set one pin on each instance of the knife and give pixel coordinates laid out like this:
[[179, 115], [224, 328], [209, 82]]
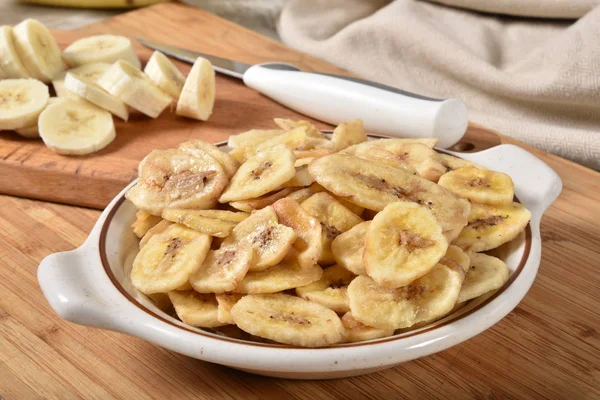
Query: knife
[[336, 98]]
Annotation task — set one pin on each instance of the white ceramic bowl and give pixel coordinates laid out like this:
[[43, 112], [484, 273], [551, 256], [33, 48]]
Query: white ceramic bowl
[[90, 286]]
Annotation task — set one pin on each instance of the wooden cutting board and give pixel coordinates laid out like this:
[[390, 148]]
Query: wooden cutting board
[[29, 169]]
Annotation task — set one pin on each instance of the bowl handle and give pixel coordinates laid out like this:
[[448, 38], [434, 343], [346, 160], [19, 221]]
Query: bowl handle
[[536, 184], [73, 289]]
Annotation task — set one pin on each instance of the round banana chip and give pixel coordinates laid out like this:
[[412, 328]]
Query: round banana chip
[[288, 319], [358, 332], [456, 257], [331, 290], [174, 179], [252, 137], [261, 202], [262, 173], [226, 302], [223, 269], [383, 143], [480, 186], [383, 156], [373, 186], [144, 222], [200, 148], [347, 134], [334, 218], [486, 273], [452, 163], [348, 248], [286, 275], [403, 243], [492, 226], [426, 299], [288, 125], [155, 230], [168, 260], [196, 309], [196, 220]]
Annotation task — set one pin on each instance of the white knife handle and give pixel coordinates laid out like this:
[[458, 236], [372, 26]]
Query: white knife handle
[[383, 109]]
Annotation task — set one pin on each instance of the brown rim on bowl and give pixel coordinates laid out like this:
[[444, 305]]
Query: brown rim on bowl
[[199, 331]]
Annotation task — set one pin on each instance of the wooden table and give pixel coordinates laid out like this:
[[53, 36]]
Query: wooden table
[[548, 347]]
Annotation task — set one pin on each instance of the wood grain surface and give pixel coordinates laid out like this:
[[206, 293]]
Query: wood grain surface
[[29, 169], [547, 348]]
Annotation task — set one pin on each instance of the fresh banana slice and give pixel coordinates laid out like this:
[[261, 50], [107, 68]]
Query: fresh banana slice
[[223, 269], [486, 273], [29, 132], [195, 309], [480, 186], [456, 257], [86, 89], [38, 50], [422, 158], [308, 245], [198, 94], [196, 220], [347, 134], [348, 248], [373, 186], [198, 148], [334, 218], [286, 275], [155, 230], [452, 163], [226, 302], [403, 242], [260, 174], [73, 127], [288, 319], [492, 226], [262, 201], [426, 299], [134, 88], [252, 137], [290, 139], [11, 66], [300, 179], [270, 240], [331, 290], [288, 125], [429, 142], [144, 222], [383, 156], [173, 179], [165, 74], [358, 332], [21, 102], [168, 259], [313, 153], [101, 49]]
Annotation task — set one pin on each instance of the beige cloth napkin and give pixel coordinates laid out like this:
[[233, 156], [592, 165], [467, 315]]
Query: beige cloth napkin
[[533, 79]]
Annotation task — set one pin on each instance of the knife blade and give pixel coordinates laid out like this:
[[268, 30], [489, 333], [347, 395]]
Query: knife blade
[[335, 98]]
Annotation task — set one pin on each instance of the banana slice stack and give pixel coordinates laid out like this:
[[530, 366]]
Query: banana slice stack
[[104, 78], [298, 239]]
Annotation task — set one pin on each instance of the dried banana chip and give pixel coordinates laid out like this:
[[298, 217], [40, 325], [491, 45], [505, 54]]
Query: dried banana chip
[[196, 309], [486, 273], [348, 248], [200, 148], [301, 178], [195, 220], [226, 301], [286, 275], [358, 332], [288, 319], [452, 163], [263, 201], [356, 209], [174, 179], [291, 139], [261, 174], [429, 142], [155, 230], [168, 260], [223, 269], [308, 246], [373, 186], [403, 243], [456, 257], [331, 290], [347, 134], [144, 222], [334, 218], [479, 185], [270, 240], [383, 156], [492, 226], [252, 137], [288, 125], [313, 153], [426, 299], [315, 144]]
